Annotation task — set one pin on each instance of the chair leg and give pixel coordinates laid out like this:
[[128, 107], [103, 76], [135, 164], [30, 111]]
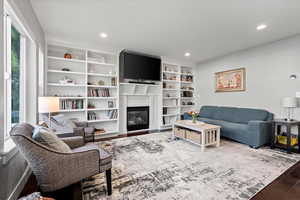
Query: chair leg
[[108, 181]]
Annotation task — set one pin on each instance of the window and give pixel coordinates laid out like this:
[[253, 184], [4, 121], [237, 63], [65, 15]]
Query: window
[[14, 70]]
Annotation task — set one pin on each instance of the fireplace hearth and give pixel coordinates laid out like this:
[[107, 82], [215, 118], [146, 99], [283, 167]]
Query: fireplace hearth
[[137, 118]]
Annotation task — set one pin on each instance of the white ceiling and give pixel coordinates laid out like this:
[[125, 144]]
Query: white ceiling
[[206, 28]]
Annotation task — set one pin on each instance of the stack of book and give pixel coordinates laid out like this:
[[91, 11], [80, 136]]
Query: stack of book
[[101, 92], [92, 116], [69, 104], [112, 114]]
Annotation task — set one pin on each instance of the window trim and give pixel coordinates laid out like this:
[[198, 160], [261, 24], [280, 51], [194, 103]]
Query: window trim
[[11, 19]]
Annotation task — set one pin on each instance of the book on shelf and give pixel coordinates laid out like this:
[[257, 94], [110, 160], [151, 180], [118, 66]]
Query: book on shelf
[[112, 114], [69, 104], [100, 92], [92, 116]]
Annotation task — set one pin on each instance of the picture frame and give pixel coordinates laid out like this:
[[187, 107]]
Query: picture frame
[[233, 80]]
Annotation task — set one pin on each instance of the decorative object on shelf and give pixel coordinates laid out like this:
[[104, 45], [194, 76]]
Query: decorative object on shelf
[[100, 82], [48, 105], [110, 104], [164, 85], [68, 55], [91, 106], [289, 103], [231, 80], [65, 69], [66, 80], [92, 116], [113, 81]]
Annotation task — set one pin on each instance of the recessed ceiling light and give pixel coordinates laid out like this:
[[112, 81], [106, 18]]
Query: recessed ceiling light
[[261, 27], [103, 35], [187, 54]]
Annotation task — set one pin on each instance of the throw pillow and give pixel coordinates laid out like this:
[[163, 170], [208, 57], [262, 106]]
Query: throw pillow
[[48, 138]]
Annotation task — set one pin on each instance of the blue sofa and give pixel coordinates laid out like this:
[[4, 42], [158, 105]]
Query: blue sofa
[[248, 126]]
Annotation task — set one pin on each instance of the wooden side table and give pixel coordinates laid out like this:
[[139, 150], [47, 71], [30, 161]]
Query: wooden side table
[[276, 130]]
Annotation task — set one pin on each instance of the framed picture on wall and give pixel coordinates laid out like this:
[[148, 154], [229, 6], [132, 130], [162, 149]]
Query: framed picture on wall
[[231, 80]]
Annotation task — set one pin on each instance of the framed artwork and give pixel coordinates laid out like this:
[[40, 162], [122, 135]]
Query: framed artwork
[[231, 81]]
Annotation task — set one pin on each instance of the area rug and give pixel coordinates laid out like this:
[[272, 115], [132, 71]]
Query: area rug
[[157, 167]]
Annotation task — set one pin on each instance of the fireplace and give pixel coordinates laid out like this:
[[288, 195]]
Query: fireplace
[[137, 118]]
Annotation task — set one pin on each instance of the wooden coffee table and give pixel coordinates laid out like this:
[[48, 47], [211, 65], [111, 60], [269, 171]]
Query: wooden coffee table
[[199, 133]]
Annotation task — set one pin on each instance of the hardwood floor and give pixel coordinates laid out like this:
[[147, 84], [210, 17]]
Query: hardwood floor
[[285, 187]]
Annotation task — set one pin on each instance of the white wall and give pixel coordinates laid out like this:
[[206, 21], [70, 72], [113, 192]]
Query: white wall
[[268, 69]]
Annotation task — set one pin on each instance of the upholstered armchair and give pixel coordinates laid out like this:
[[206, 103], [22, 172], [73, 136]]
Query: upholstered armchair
[[55, 170]]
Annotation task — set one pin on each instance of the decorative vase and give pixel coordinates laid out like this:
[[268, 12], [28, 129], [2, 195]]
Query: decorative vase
[[194, 119]]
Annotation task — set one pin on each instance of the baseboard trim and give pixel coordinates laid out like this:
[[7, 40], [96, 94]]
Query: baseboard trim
[[20, 185]]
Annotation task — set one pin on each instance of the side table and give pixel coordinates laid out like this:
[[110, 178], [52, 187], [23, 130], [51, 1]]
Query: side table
[[276, 130]]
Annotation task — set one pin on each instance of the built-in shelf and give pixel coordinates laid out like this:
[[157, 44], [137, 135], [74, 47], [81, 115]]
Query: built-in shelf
[[66, 59], [102, 97], [177, 72], [187, 106], [185, 74], [99, 63], [170, 89], [101, 86], [171, 81], [86, 66], [186, 82], [170, 72], [101, 109], [102, 75], [187, 97], [71, 97], [171, 98], [65, 72], [66, 85], [72, 110]]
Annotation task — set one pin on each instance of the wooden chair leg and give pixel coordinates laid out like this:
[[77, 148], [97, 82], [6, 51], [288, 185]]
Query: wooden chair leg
[[108, 181]]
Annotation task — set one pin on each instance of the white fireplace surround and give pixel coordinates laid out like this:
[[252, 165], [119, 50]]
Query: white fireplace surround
[[154, 103]]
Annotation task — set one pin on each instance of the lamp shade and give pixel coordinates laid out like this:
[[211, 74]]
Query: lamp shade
[[48, 104], [289, 102]]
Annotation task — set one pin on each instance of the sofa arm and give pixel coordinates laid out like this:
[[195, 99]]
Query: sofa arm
[[78, 131], [260, 132], [74, 142], [81, 124], [187, 116]]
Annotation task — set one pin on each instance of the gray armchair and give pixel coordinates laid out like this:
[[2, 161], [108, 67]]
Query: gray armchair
[[55, 170]]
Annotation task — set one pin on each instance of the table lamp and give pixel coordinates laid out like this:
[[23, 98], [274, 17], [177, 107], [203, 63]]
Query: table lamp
[[48, 105], [289, 103]]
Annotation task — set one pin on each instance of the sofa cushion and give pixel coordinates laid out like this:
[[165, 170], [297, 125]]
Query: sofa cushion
[[48, 138], [208, 111], [244, 115]]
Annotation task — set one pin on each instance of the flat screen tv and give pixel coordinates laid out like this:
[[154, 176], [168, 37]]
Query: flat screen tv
[[139, 66]]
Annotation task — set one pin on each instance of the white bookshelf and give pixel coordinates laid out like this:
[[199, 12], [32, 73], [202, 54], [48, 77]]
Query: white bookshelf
[[89, 70], [177, 82], [187, 103]]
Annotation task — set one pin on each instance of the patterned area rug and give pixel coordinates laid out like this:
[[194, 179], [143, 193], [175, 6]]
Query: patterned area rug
[[157, 167]]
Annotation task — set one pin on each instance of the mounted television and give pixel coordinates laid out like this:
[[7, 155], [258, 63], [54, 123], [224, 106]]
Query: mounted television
[[140, 67]]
